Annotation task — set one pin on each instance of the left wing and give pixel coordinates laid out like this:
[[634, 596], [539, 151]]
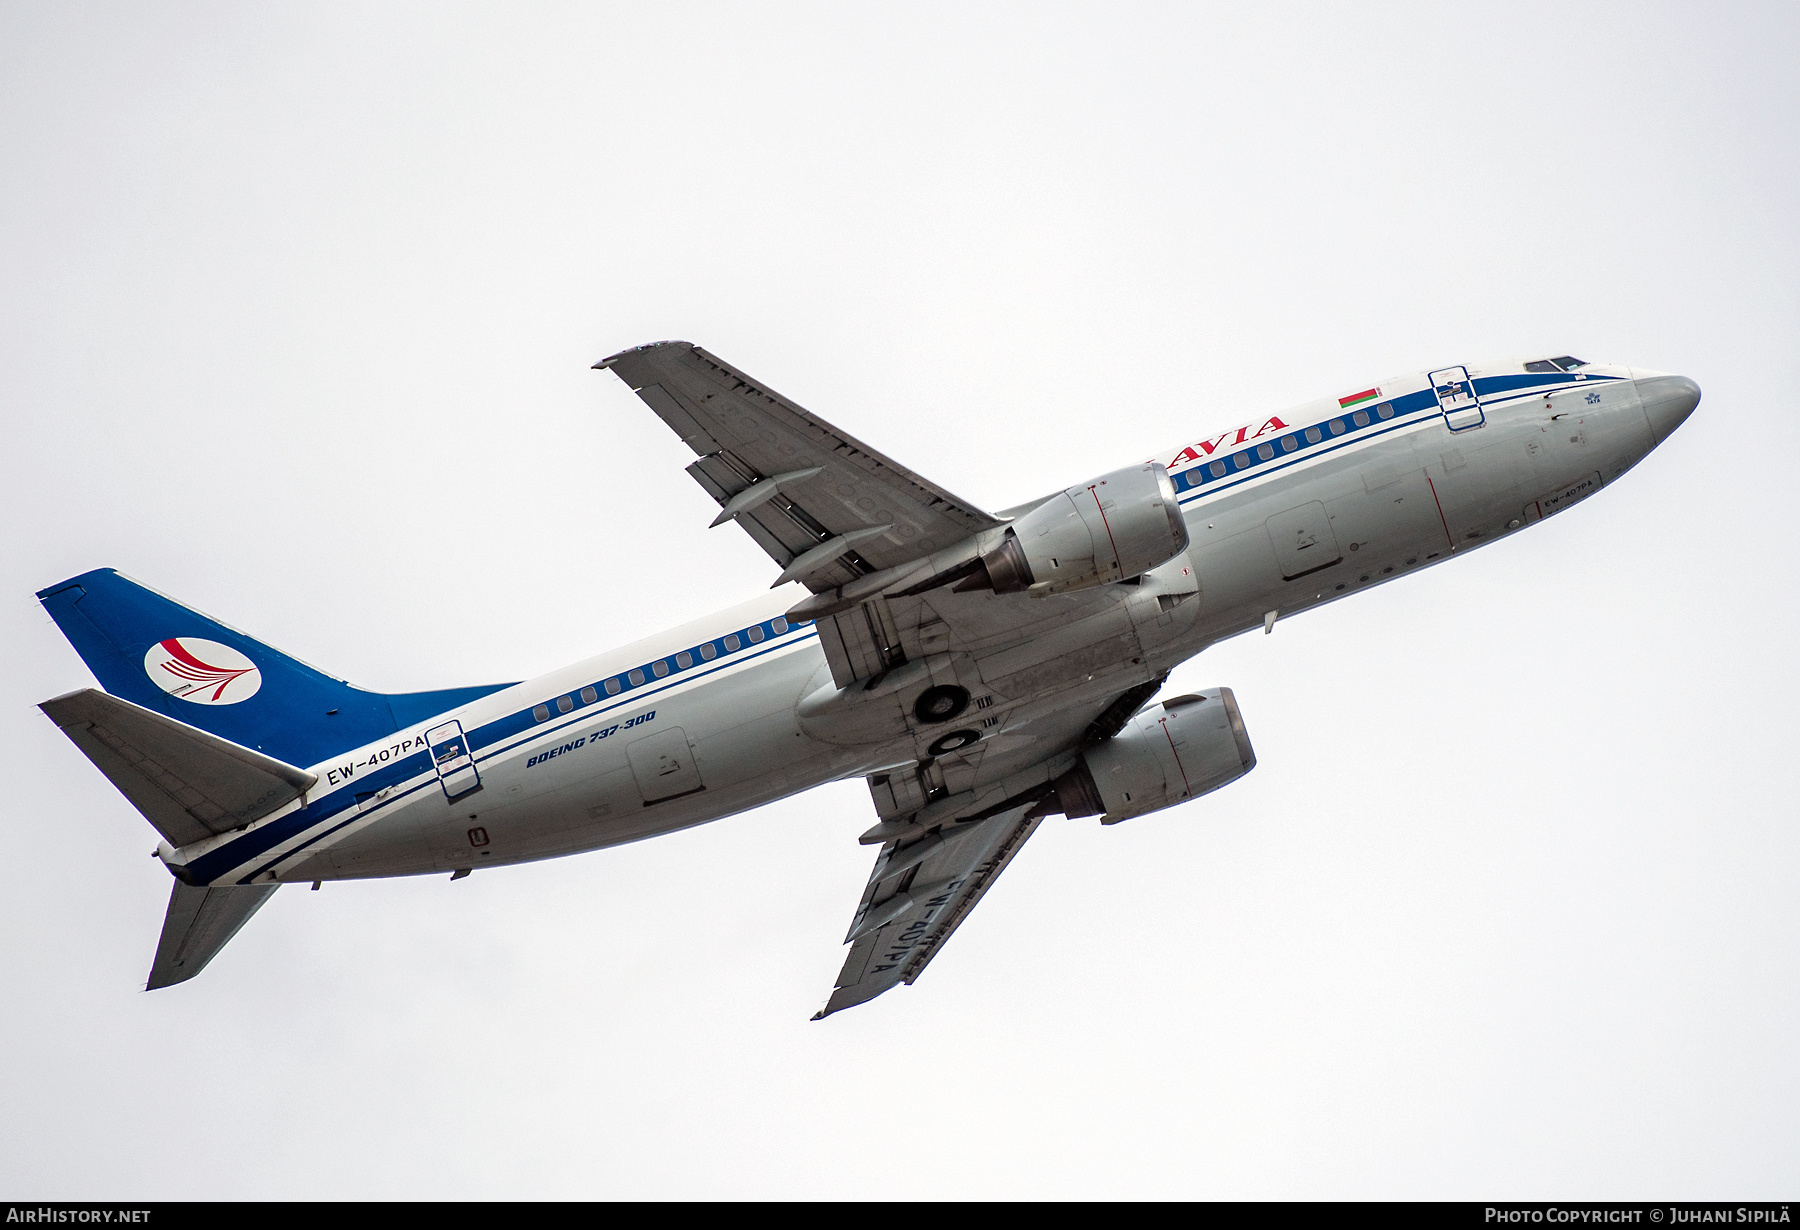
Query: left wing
[[824, 505], [918, 894]]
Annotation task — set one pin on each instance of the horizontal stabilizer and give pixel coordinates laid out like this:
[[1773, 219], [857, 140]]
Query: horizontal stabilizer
[[189, 784], [198, 924]]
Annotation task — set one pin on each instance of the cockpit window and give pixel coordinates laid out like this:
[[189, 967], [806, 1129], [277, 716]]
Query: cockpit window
[[1568, 362], [1563, 363], [1542, 365]]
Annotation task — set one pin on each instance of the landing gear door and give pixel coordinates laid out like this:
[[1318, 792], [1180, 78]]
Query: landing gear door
[[1457, 398], [450, 756]]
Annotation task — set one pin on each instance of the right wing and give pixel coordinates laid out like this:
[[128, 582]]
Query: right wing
[[949, 827], [824, 505]]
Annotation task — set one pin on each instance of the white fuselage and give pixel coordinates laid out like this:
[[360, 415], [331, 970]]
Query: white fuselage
[[1284, 513]]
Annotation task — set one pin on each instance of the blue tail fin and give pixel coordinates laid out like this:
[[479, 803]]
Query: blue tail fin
[[159, 654]]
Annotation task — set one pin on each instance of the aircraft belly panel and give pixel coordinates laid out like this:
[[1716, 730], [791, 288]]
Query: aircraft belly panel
[[1397, 518], [1481, 489], [1103, 637], [1238, 576], [393, 844]]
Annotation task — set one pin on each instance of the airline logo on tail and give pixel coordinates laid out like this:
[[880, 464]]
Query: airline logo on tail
[[202, 671]]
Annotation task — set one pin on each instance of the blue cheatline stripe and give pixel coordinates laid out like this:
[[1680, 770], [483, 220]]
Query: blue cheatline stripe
[[1291, 447], [1532, 380], [536, 730], [646, 677], [217, 862], [214, 864], [1200, 479]]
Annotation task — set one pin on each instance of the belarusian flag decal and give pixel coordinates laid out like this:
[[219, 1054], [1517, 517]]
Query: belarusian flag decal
[[1356, 399]]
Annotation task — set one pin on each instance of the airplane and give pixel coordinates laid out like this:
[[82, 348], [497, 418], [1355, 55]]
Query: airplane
[[982, 671]]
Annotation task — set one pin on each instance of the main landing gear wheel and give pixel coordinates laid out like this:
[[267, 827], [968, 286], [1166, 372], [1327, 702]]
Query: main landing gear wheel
[[954, 740], [940, 703]]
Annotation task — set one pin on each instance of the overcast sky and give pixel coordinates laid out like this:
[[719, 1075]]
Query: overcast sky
[[296, 316]]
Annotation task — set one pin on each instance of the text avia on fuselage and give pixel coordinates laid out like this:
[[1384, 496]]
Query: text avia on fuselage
[[982, 671]]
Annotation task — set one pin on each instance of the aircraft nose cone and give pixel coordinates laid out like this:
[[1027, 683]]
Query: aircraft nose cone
[[1668, 400]]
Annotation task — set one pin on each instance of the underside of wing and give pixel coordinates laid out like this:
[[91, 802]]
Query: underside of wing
[[948, 827], [918, 894], [824, 505]]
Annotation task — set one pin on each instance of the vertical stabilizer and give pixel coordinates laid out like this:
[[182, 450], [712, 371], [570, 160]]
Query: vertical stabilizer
[[172, 660], [200, 921]]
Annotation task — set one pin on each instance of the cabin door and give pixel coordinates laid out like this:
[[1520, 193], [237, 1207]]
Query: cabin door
[[450, 756], [1457, 398]]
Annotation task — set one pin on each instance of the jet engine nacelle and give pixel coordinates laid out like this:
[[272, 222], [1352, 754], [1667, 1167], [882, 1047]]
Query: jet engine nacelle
[[1119, 526], [1167, 754]]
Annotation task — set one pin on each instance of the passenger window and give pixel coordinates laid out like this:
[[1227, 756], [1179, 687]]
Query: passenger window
[[541, 713], [1289, 444], [589, 696], [780, 625], [659, 669], [1337, 427], [756, 635], [636, 677], [1568, 362], [1312, 435], [1360, 418], [1385, 410], [1265, 451], [732, 644], [564, 703], [708, 652], [1218, 469], [1542, 365], [614, 687], [684, 659]]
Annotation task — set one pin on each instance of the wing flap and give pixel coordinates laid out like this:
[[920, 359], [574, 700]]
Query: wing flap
[[188, 783], [860, 643]]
